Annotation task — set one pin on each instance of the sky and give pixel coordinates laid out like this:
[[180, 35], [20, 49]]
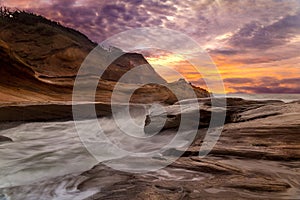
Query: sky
[[254, 44]]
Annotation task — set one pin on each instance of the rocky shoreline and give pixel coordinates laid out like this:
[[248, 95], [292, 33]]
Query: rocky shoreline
[[256, 157]]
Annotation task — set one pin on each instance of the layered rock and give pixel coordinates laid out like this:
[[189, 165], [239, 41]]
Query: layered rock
[[40, 60], [257, 158], [224, 110], [266, 130]]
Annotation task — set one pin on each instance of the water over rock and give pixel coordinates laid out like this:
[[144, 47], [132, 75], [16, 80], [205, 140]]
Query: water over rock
[[5, 139]]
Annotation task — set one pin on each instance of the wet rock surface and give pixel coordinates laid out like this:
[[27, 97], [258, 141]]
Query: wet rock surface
[[5, 139], [223, 110], [256, 157]]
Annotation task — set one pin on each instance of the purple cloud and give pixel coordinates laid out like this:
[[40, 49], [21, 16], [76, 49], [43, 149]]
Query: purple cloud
[[265, 85], [238, 80], [257, 36], [264, 90], [258, 33]]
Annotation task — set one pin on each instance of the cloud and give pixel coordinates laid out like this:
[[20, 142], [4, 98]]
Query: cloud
[[270, 81], [245, 38], [255, 35], [238, 80], [102, 19], [291, 81], [226, 52], [263, 90], [202, 20], [264, 85]]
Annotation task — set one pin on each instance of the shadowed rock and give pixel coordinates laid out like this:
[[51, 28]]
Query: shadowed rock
[[5, 139]]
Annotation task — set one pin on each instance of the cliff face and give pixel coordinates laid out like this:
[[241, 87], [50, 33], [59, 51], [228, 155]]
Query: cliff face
[[40, 59]]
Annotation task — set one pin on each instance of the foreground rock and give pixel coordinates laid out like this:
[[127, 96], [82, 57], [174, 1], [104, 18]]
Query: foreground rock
[[268, 132], [57, 112], [224, 110], [262, 142], [63, 110], [5, 139], [187, 178], [256, 157]]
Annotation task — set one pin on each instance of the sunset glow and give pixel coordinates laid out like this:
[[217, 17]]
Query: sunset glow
[[254, 44]]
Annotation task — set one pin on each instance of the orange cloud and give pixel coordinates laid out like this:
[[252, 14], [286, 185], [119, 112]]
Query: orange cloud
[[25, 4], [228, 70], [172, 67]]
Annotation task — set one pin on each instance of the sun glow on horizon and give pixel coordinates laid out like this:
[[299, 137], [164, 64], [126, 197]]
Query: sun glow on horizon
[[230, 71], [166, 64]]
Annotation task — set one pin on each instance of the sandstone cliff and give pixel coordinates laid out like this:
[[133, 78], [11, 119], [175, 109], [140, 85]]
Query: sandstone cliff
[[40, 59]]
